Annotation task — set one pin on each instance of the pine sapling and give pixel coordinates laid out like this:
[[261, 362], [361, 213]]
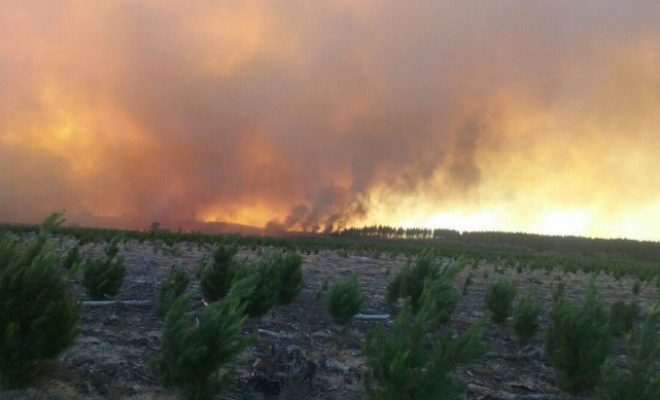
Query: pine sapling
[[72, 258], [467, 283], [559, 291], [216, 276], [637, 286], [103, 276], [345, 300], [38, 316], [409, 283], [174, 286], [578, 341], [197, 358], [499, 299], [526, 316], [265, 296], [416, 360], [622, 317], [641, 381], [291, 276]]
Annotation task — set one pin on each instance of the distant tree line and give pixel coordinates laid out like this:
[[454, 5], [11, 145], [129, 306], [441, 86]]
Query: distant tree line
[[620, 248]]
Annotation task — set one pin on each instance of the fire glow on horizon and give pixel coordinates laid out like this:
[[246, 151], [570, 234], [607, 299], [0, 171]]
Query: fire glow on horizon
[[500, 115]]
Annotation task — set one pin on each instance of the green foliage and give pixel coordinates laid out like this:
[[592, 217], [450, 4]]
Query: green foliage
[[578, 341], [112, 249], [438, 297], [526, 316], [416, 361], [559, 291], [622, 317], [197, 359], [291, 276], [103, 276], [171, 288], [216, 276], [612, 258], [637, 285], [499, 299], [467, 283], [641, 381], [267, 277], [72, 258], [345, 300], [409, 283], [38, 316]]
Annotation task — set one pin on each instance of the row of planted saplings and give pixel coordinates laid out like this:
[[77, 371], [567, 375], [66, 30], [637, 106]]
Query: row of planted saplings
[[39, 315], [39, 320], [579, 339], [414, 360], [169, 241]]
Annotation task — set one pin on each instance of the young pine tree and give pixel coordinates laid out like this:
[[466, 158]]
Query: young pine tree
[[559, 291], [637, 286], [266, 275], [439, 297], [38, 316], [641, 381], [197, 359], [622, 317], [526, 316], [467, 283], [578, 341], [499, 299], [345, 300], [289, 266], [416, 360], [171, 288], [409, 283], [103, 276], [72, 258], [216, 276]]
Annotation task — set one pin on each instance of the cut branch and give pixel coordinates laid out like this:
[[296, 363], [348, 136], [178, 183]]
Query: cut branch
[[372, 317], [117, 302]]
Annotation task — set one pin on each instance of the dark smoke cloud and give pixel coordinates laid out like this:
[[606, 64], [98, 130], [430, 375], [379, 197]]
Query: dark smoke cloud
[[315, 115]]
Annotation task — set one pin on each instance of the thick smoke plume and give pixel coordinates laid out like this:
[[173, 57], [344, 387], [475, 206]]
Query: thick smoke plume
[[292, 114]]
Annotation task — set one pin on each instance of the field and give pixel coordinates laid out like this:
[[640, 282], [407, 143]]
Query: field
[[300, 352]]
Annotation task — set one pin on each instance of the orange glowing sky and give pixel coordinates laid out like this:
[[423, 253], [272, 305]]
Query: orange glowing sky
[[509, 115]]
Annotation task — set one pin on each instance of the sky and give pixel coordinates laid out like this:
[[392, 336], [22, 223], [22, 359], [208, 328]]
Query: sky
[[509, 115]]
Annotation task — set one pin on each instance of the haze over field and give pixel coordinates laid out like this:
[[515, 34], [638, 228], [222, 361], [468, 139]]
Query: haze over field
[[538, 116]]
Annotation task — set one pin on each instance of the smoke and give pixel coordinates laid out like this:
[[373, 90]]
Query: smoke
[[315, 115]]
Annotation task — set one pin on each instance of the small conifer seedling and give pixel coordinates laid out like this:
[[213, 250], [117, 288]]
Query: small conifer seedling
[[38, 316], [345, 300], [467, 283], [267, 276], [641, 381], [526, 316], [72, 258], [197, 358], [171, 288], [416, 360], [216, 276], [622, 317], [103, 276], [637, 286], [289, 266], [499, 299], [409, 283], [578, 341]]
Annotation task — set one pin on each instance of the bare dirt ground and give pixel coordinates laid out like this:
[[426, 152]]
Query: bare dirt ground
[[300, 353]]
